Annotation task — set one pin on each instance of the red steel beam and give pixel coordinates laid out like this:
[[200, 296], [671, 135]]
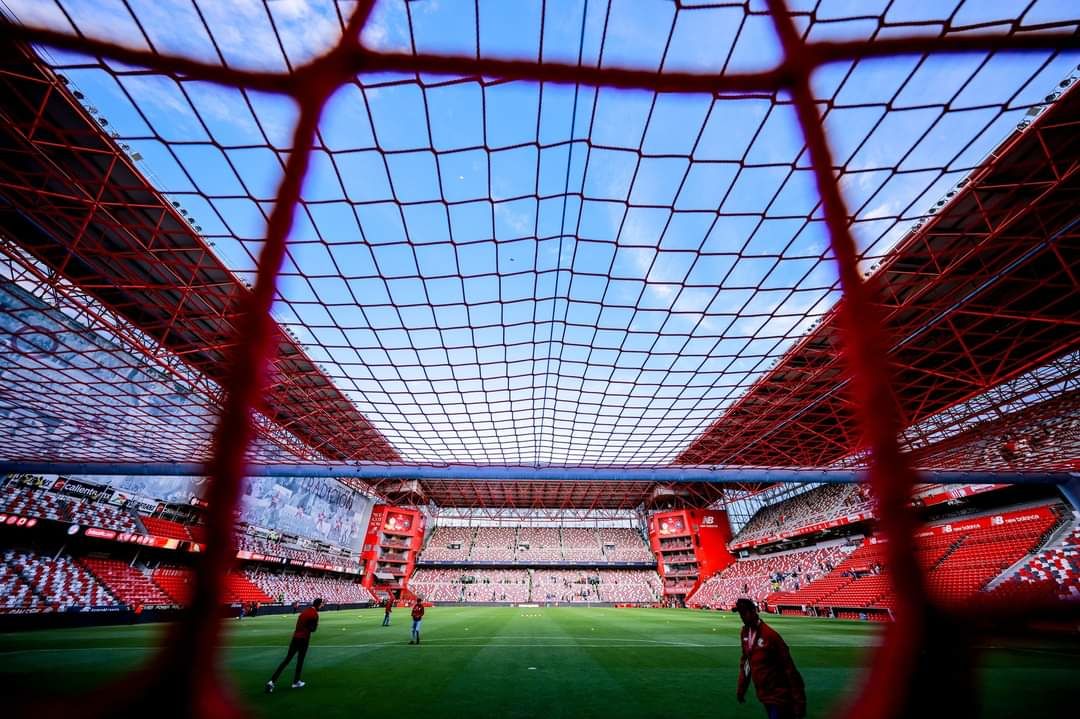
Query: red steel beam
[[982, 292], [73, 199]]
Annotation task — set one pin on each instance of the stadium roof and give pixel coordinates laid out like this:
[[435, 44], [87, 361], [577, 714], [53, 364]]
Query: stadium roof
[[507, 272]]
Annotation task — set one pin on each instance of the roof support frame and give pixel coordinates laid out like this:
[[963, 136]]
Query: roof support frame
[[502, 473]]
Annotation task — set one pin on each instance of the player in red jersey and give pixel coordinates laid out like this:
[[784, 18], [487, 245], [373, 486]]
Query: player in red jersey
[[389, 607], [767, 662], [417, 617], [306, 623]]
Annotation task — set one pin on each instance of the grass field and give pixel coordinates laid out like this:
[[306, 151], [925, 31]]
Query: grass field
[[520, 662]]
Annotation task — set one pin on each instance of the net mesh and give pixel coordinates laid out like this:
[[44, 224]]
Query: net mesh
[[496, 270], [514, 294]]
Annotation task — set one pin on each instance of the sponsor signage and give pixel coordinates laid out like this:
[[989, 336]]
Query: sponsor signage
[[672, 525], [81, 490], [937, 495], [14, 520], [940, 495], [808, 529], [1004, 519]]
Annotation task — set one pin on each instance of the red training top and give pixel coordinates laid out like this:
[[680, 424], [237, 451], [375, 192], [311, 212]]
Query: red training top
[[418, 612], [389, 606], [767, 661], [306, 623]]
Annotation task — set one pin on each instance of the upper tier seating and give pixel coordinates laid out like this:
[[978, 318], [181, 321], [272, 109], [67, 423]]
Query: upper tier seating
[[197, 532], [624, 545], [160, 527], [128, 583], [527, 545], [581, 544], [61, 582], [538, 544], [494, 544], [46, 505], [818, 504], [438, 546], [251, 543]]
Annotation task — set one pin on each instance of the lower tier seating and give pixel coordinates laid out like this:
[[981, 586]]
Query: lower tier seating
[[957, 564], [16, 594], [288, 588], [178, 583], [758, 577], [165, 528], [537, 585], [60, 582], [1053, 572], [128, 583]]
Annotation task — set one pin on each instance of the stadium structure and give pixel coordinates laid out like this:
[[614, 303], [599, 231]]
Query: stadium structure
[[575, 321]]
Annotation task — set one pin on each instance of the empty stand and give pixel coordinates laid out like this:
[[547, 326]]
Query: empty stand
[[46, 505], [288, 588], [160, 527], [60, 582], [16, 594], [1053, 572], [178, 583], [758, 577], [528, 545], [960, 558], [451, 544], [128, 583]]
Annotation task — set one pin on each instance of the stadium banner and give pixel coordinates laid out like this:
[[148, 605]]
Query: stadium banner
[[294, 505], [1004, 519], [942, 494], [81, 490], [41, 341], [807, 529], [932, 496]]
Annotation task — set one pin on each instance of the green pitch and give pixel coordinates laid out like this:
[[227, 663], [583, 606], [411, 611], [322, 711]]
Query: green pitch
[[507, 662]]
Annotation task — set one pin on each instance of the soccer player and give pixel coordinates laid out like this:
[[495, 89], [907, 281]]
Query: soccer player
[[767, 662], [306, 623], [417, 617], [386, 612]]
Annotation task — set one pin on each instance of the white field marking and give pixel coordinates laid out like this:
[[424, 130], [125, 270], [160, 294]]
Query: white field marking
[[560, 637], [446, 643]]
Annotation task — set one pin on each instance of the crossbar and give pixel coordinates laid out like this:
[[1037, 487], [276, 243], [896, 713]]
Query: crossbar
[[716, 474]]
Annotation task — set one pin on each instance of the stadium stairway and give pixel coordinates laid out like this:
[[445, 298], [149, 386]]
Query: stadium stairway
[[160, 527], [1058, 537], [129, 584], [177, 583], [17, 594], [956, 566]]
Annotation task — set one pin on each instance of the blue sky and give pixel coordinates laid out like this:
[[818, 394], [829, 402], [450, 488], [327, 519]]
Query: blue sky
[[516, 273]]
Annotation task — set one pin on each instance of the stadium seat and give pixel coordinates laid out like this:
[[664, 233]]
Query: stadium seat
[[160, 527], [130, 584], [58, 583]]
